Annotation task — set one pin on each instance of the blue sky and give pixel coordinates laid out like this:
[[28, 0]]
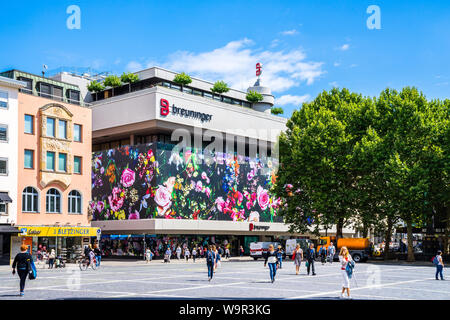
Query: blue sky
[[304, 46]]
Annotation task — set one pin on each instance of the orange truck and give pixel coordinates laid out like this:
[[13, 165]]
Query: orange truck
[[359, 248]]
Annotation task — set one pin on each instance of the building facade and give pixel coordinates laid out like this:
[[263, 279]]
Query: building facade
[[54, 166]]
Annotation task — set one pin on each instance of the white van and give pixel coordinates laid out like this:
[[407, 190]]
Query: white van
[[257, 249]]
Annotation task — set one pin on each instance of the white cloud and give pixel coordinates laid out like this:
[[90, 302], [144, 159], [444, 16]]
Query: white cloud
[[133, 66], [290, 99], [336, 64], [334, 84], [235, 64], [274, 43], [344, 47], [289, 32]]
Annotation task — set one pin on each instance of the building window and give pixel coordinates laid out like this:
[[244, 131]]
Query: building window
[[207, 95], [29, 124], [77, 165], [74, 202], [3, 132], [3, 208], [53, 201], [30, 200], [29, 87], [77, 132], [4, 166], [62, 129], [57, 93], [74, 96], [62, 162], [29, 159], [50, 161], [3, 100], [45, 90], [50, 127]]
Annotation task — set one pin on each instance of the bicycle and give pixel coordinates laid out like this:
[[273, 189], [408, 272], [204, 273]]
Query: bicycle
[[84, 264]]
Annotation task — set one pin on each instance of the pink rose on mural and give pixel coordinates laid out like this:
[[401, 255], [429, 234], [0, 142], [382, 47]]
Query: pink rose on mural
[[237, 215], [199, 186], [205, 177], [254, 216], [116, 199], [133, 216], [249, 205], [263, 198], [128, 177], [207, 191], [220, 204], [163, 199]]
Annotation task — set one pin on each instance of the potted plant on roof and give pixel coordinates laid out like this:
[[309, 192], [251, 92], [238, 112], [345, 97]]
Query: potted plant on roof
[[253, 97], [220, 87], [129, 77], [112, 81], [277, 110], [95, 86], [182, 79]]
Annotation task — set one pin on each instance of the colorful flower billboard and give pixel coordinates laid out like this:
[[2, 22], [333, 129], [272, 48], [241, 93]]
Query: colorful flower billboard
[[150, 181]]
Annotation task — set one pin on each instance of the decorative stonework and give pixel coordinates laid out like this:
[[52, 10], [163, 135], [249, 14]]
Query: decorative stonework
[[56, 145]]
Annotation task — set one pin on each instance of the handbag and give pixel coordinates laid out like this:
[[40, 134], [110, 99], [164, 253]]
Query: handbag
[[307, 264], [32, 274]]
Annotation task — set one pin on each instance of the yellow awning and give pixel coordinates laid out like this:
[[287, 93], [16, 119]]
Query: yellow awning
[[32, 231]]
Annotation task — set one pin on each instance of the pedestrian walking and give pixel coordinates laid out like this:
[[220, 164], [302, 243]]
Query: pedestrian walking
[[280, 253], [22, 261], [323, 254], [210, 258], [241, 251], [51, 259], [271, 259], [311, 257], [98, 255], [439, 263], [297, 257], [331, 252], [148, 255], [346, 264], [194, 254], [178, 252], [167, 255], [187, 254], [227, 253], [217, 258]]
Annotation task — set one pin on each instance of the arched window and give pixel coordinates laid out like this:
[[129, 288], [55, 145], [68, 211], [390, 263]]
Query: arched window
[[53, 204], [30, 200], [74, 202]]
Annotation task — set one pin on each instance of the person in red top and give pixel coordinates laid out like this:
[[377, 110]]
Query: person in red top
[[344, 258]]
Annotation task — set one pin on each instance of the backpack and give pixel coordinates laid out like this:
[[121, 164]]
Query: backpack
[[435, 261], [209, 257], [32, 274], [349, 268]]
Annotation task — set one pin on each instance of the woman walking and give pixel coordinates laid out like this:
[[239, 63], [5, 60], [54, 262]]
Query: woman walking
[[271, 258], [345, 258], [297, 257], [187, 254], [194, 254], [51, 259], [22, 262], [210, 258], [217, 258]]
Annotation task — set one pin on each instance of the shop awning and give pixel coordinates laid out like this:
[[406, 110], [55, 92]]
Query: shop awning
[[6, 228], [4, 197]]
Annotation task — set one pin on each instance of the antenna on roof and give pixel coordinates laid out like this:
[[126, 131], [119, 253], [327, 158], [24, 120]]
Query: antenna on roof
[[44, 68]]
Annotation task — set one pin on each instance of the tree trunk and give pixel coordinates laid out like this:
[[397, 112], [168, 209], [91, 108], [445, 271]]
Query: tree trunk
[[387, 239], [339, 227], [447, 231], [410, 242], [365, 230]]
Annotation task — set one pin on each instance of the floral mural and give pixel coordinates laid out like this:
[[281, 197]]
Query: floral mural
[[150, 181]]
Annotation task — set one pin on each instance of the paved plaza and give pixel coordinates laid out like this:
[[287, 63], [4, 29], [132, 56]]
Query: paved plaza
[[241, 279]]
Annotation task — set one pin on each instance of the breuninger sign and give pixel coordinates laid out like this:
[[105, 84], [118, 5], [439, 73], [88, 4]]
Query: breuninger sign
[[165, 110]]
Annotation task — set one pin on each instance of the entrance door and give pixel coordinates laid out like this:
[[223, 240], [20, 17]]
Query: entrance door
[[5, 247]]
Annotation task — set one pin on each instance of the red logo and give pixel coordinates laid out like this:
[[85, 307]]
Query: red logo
[[258, 69], [250, 227], [164, 107]]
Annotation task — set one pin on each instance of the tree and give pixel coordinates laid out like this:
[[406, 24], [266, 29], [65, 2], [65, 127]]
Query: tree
[[253, 96], [95, 86], [129, 77], [112, 81], [276, 110], [182, 79], [220, 87]]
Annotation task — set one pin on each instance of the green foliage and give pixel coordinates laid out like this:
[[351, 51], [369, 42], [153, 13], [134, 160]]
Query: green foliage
[[253, 96], [220, 87], [128, 77], [182, 79], [95, 86], [277, 110], [112, 81]]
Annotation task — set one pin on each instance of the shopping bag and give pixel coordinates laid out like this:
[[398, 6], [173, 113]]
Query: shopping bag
[[32, 274]]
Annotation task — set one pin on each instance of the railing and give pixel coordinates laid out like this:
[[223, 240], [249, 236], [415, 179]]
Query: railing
[[56, 98]]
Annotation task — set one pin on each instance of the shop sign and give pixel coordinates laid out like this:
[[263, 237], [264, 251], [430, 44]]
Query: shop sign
[[26, 231], [165, 110], [252, 227]]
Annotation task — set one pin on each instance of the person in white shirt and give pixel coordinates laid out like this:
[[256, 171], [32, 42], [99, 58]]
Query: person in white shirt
[[344, 259], [331, 252], [187, 254], [178, 251], [439, 265]]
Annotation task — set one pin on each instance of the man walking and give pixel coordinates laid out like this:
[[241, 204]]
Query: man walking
[[331, 252], [280, 256], [178, 251], [311, 256], [210, 260], [439, 265]]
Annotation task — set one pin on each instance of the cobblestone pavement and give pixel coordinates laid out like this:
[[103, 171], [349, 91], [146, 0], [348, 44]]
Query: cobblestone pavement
[[237, 279]]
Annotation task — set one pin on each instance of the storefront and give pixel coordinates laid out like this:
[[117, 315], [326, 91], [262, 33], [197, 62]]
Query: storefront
[[68, 242], [6, 232]]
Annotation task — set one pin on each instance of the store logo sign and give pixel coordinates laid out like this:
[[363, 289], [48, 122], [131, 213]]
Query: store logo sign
[[165, 110], [252, 227]]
